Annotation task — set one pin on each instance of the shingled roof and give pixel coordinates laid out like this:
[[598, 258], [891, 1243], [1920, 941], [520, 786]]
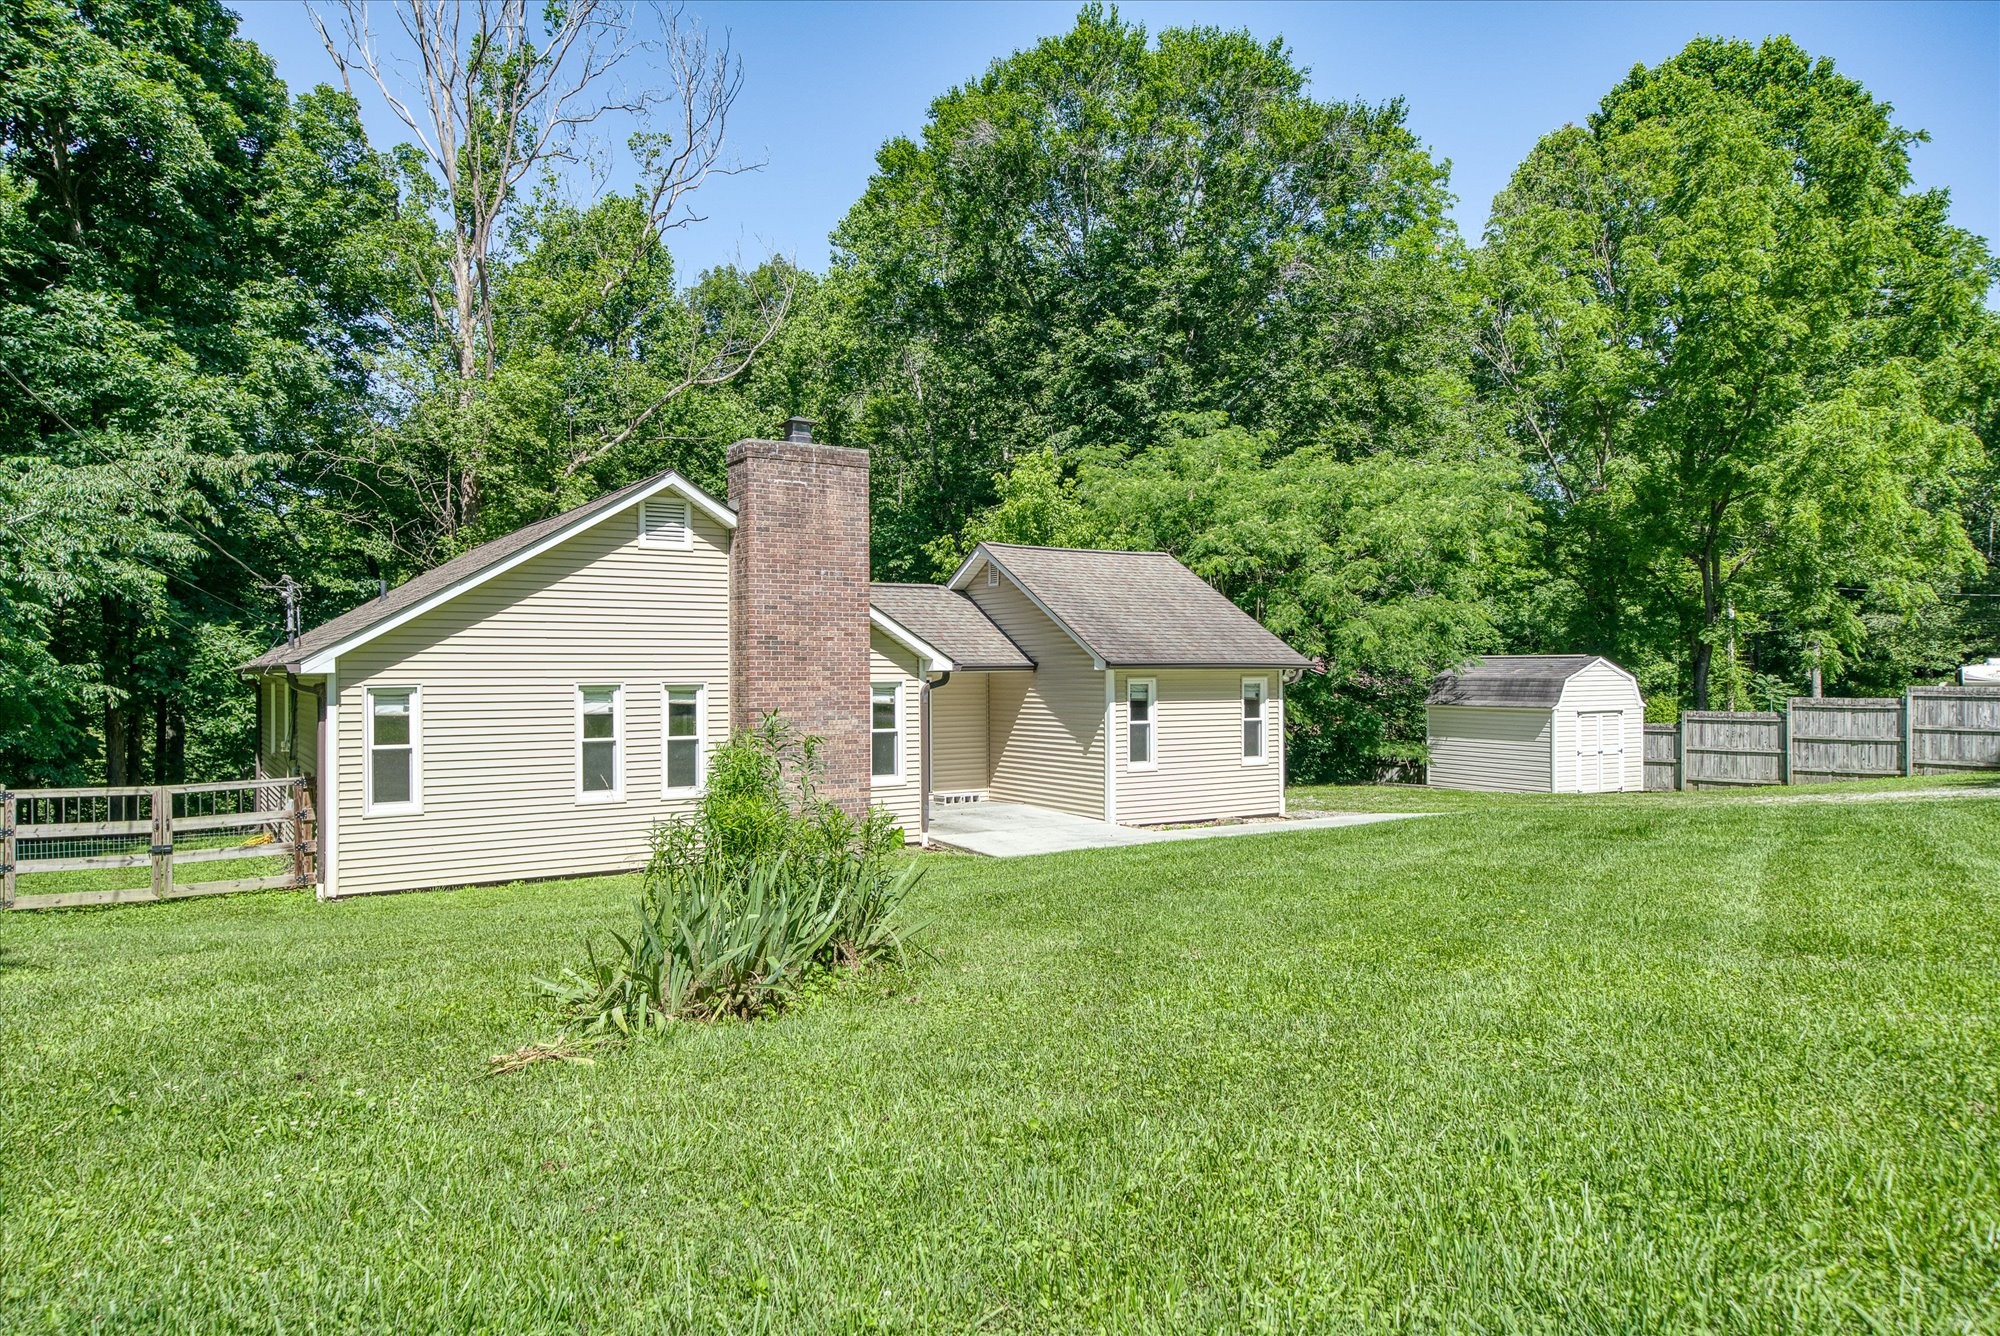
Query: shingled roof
[[469, 566], [1519, 681], [950, 622], [1136, 609]]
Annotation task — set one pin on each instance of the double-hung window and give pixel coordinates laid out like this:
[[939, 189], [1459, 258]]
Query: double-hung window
[[1142, 695], [885, 726], [683, 715], [395, 782], [1253, 719], [600, 742]]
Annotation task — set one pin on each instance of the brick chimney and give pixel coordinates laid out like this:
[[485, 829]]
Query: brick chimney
[[798, 597]]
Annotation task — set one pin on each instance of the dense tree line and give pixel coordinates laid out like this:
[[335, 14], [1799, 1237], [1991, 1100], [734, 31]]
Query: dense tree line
[[1715, 393]]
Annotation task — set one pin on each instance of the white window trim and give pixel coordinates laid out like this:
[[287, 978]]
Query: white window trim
[[687, 523], [415, 806], [616, 793], [901, 776], [667, 789], [1152, 685], [1263, 755]]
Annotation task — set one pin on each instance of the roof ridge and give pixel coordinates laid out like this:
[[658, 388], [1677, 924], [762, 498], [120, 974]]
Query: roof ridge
[[1095, 551]]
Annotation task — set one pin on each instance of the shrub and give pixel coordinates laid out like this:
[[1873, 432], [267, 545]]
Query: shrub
[[764, 886]]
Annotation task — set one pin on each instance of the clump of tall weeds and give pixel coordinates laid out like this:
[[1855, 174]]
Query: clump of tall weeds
[[763, 888]]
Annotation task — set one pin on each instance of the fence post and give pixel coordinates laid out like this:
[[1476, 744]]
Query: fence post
[[1908, 736], [1680, 753], [163, 842], [6, 849], [303, 832], [1785, 744]]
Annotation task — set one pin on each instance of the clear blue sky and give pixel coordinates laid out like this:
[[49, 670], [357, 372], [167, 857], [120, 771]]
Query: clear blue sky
[[826, 84]]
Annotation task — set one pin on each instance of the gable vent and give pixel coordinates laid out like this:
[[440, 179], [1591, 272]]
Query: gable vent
[[664, 524]]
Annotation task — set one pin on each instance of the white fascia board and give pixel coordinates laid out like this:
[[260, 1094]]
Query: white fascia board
[[964, 575], [324, 661], [909, 640]]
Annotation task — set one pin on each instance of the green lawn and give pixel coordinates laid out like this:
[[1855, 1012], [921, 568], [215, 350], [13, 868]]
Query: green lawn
[[1638, 1063]]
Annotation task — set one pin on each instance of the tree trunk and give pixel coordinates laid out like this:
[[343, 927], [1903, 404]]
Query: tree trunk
[[115, 773]]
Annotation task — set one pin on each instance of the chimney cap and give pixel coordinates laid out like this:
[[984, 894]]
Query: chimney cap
[[799, 429]]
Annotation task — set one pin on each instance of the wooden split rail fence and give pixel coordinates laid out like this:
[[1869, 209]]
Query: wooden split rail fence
[[1820, 740], [163, 828]]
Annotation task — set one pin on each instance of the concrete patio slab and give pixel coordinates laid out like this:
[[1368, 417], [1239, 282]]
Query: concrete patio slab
[[1013, 830]]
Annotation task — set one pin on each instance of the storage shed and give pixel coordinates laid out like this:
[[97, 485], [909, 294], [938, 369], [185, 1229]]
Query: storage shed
[[1537, 723]]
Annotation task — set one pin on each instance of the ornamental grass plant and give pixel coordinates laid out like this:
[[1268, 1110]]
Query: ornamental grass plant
[[763, 888]]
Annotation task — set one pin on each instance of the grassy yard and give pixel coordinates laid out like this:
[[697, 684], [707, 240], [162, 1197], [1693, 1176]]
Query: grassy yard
[[1631, 1063]]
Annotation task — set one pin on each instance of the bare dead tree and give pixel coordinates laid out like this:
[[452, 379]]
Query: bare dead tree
[[493, 99]]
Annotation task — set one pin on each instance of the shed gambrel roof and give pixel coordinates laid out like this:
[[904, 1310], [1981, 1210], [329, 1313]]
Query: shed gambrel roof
[[950, 621], [470, 568], [1517, 681], [1135, 609]]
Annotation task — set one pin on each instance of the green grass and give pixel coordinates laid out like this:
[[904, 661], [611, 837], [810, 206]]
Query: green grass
[[1638, 1063]]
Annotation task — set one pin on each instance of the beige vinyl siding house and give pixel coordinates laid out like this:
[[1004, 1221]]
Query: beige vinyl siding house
[[1569, 723], [893, 668], [1046, 728], [960, 724], [497, 717], [536, 706], [1096, 623], [1197, 752]]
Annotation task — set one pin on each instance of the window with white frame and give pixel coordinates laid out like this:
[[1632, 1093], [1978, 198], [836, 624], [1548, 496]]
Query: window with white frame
[[663, 522], [1253, 719], [885, 726], [992, 576], [394, 780], [600, 740], [683, 718], [1142, 695]]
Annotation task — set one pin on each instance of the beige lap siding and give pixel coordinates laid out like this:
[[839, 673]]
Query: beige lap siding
[[498, 668], [1486, 748], [890, 662], [1600, 687], [305, 715], [1047, 726], [1200, 773], [958, 733]]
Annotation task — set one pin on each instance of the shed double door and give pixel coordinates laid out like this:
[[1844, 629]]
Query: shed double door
[[1600, 751]]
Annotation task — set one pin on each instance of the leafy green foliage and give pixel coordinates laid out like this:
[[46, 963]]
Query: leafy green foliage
[[1105, 231], [1733, 351], [763, 888]]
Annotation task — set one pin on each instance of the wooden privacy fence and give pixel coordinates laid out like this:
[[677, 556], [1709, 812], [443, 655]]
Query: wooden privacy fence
[[1663, 756], [1818, 740], [164, 828]]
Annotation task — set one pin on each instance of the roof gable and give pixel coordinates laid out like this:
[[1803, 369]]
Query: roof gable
[[315, 650], [1135, 609], [953, 623]]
